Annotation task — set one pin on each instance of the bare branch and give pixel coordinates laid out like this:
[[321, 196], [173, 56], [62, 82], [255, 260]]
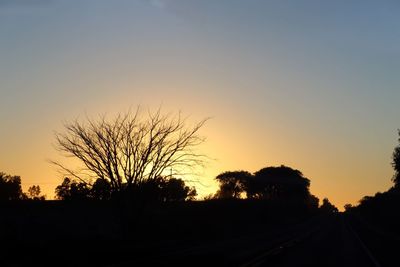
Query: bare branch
[[131, 148]]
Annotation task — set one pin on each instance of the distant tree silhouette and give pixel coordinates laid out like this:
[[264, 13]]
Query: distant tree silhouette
[[312, 202], [366, 200], [348, 207], [210, 196], [382, 207], [163, 189], [101, 190], [278, 183], [396, 164], [232, 184], [10, 187], [131, 150], [160, 189], [282, 186], [327, 206], [34, 193], [72, 190], [176, 190]]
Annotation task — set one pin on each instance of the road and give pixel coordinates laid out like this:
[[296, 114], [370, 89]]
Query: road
[[322, 241], [333, 244], [36, 237], [326, 240]]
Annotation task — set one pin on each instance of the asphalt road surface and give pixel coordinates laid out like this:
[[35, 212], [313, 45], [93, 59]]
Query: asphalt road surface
[[322, 241], [333, 244], [326, 240]]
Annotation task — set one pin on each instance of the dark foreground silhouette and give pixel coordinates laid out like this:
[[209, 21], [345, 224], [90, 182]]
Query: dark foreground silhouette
[[203, 233], [377, 219], [278, 224]]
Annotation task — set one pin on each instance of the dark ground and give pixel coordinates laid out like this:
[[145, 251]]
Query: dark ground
[[237, 233]]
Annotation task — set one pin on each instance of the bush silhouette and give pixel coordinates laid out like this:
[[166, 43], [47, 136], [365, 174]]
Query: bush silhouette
[[10, 187]]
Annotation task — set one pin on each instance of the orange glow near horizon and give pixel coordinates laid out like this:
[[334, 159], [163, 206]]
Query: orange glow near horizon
[[231, 147]]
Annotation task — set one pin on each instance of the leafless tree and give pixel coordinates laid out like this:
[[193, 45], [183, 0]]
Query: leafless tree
[[131, 149]]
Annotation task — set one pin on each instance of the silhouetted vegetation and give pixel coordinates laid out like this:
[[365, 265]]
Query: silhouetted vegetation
[[73, 190], [176, 190], [87, 215], [10, 187], [34, 193], [377, 219], [232, 184], [381, 209], [130, 152], [396, 164], [348, 207], [101, 190], [275, 184], [312, 202], [161, 189], [328, 207], [278, 183], [133, 204]]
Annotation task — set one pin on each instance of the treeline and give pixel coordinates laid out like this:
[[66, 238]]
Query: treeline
[[162, 189], [130, 154], [280, 186], [10, 189], [274, 184], [381, 210]]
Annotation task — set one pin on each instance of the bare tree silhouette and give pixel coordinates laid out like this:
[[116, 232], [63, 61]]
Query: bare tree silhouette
[[131, 149]]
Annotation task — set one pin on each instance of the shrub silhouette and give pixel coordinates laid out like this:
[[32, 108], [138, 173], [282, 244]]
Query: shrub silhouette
[[160, 189], [10, 187]]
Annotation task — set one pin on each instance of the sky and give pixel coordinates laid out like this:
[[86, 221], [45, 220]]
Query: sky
[[313, 85]]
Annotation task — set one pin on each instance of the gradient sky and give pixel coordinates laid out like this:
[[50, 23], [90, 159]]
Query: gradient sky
[[310, 84]]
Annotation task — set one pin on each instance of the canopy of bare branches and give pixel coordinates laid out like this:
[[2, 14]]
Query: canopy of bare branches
[[132, 148]]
